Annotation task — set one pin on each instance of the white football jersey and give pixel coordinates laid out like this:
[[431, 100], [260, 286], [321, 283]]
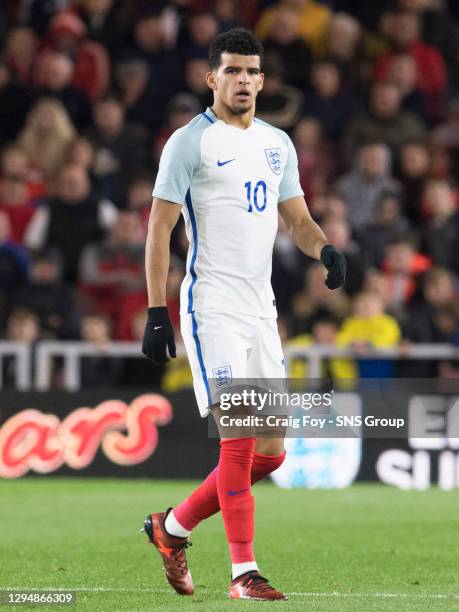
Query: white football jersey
[[230, 182]]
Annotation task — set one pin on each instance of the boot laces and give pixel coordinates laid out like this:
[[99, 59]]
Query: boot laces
[[179, 557], [258, 582]]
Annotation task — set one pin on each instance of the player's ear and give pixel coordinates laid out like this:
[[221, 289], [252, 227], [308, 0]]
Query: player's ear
[[211, 80], [261, 81]]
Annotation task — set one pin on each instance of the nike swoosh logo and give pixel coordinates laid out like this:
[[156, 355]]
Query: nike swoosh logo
[[219, 163], [158, 327], [236, 492]]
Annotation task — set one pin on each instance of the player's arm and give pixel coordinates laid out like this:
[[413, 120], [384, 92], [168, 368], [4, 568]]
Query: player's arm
[[310, 239], [163, 218], [179, 159], [159, 334], [303, 230]]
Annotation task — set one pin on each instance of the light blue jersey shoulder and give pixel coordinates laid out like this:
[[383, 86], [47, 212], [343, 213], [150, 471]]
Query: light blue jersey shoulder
[[180, 159], [289, 186]]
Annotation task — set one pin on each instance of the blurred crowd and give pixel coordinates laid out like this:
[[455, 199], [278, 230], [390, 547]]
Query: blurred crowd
[[90, 90]]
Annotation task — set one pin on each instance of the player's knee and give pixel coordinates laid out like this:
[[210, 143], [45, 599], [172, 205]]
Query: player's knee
[[270, 446]]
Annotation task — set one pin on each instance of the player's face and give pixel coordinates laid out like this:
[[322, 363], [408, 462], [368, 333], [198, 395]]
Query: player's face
[[237, 81]]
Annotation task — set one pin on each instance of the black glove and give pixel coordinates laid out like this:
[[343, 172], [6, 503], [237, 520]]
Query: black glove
[[336, 266], [158, 335]]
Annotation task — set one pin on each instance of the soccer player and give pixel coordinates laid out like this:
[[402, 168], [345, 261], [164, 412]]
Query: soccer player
[[230, 175]]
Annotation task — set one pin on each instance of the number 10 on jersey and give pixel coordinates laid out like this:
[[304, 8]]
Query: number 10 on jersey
[[254, 198]]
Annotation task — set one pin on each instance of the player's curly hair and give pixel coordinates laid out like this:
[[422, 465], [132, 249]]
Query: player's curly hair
[[237, 40]]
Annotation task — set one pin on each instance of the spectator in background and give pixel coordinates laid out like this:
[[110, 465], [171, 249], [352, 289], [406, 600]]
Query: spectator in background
[[57, 83], [70, 220], [50, 299], [115, 267], [403, 72], [377, 282], [324, 332], [14, 264], [15, 103], [440, 233], [327, 101], [341, 47], [81, 153], [383, 122], [438, 292], [180, 110], [313, 19], [143, 107], [139, 197], [402, 266], [23, 326], [424, 323], [405, 37], [414, 169], [19, 193], [446, 135], [67, 34], [439, 29], [37, 14], [361, 189], [277, 103], [203, 27], [315, 296], [284, 39], [99, 370], [119, 150], [369, 327], [315, 161], [226, 12], [46, 136], [20, 53], [103, 21], [388, 223], [165, 70], [328, 204], [14, 163], [195, 81]]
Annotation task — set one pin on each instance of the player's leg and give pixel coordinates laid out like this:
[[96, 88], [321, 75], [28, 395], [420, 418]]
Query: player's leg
[[228, 339], [203, 501], [266, 365], [162, 529], [211, 342]]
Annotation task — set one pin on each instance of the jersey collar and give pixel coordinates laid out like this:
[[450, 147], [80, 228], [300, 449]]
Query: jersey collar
[[212, 116]]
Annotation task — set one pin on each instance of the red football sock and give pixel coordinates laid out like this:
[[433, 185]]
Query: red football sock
[[235, 496], [203, 502]]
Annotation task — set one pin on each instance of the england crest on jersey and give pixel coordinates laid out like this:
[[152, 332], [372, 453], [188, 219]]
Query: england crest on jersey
[[222, 376], [274, 157]]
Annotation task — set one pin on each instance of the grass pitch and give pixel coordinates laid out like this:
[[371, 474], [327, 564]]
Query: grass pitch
[[365, 548]]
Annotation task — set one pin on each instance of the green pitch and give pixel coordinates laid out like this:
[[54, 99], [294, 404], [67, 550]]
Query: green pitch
[[362, 549]]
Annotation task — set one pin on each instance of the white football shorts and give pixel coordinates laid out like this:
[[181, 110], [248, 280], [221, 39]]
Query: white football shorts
[[227, 347]]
